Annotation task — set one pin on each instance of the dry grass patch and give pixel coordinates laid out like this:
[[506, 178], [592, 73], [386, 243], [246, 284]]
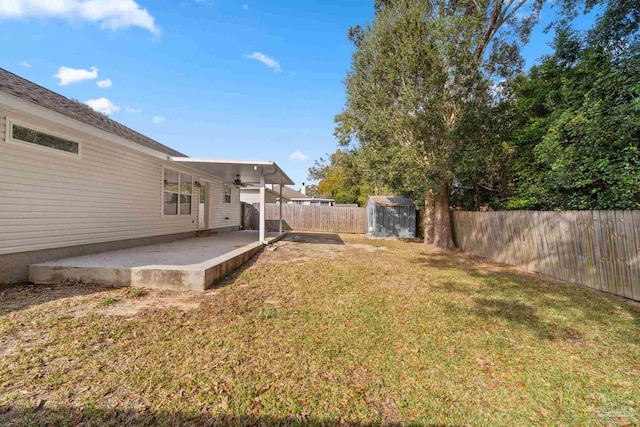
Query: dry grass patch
[[326, 329]]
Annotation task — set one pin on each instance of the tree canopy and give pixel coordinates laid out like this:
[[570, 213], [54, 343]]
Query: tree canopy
[[340, 177], [438, 108], [419, 72]]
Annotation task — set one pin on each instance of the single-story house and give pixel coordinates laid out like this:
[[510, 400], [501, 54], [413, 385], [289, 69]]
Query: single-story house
[[75, 182], [295, 197], [251, 194]]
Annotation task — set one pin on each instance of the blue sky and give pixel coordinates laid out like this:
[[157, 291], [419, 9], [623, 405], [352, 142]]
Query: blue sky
[[181, 72]]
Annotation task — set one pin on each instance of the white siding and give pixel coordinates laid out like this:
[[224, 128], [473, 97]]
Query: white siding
[[50, 200], [253, 196], [219, 211]]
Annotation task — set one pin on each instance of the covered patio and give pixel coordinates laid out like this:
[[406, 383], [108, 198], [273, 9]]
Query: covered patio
[[195, 264], [243, 173]]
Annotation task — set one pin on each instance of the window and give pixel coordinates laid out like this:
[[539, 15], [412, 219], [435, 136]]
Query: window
[[177, 193], [24, 134], [227, 194], [185, 194]]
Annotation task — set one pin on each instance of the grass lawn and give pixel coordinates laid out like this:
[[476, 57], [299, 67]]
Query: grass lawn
[[326, 329]]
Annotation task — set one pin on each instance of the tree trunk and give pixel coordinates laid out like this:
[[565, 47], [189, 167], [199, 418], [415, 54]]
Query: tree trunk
[[442, 236], [429, 216]]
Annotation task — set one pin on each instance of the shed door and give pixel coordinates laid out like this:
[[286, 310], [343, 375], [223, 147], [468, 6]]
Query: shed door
[[371, 221]]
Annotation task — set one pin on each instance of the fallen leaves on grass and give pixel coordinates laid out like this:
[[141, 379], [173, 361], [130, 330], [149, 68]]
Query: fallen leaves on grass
[[328, 329]]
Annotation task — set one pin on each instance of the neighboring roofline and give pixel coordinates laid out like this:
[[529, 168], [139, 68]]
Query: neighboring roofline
[[289, 192], [267, 190], [313, 198]]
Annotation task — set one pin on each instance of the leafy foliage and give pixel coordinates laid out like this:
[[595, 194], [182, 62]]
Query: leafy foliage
[[576, 133], [426, 113], [418, 73], [341, 178]]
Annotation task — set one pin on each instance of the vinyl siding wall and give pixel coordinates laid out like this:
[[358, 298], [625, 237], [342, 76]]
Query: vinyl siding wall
[[50, 200], [220, 211], [253, 196]]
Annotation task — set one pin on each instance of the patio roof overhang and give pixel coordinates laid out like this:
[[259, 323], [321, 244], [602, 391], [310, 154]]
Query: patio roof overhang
[[249, 171]]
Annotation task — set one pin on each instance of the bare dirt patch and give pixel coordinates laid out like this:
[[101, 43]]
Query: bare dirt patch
[[152, 300], [23, 297], [300, 247], [78, 299]]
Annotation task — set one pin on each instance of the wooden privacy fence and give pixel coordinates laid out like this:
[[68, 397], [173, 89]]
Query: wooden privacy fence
[[249, 216], [317, 218], [598, 249]]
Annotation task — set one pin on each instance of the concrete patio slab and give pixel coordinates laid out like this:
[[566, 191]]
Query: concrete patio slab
[[195, 263]]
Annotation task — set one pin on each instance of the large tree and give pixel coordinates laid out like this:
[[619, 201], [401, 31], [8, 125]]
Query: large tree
[[418, 73]]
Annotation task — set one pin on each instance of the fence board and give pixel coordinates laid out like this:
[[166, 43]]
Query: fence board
[[598, 249], [317, 218], [634, 262]]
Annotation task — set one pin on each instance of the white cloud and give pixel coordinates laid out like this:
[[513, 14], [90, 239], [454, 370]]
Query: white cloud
[[245, 6], [25, 64], [66, 75], [157, 119], [103, 105], [269, 62], [298, 155], [111, 14], [133, 110], [104, 84]]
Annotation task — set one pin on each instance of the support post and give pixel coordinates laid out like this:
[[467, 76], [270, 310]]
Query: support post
[[280, 216], [262, 209]]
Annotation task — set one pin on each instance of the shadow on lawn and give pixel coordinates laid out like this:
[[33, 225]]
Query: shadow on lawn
[[60, 415], [314, 238], [22, 297], [519, 297], [297, 237]]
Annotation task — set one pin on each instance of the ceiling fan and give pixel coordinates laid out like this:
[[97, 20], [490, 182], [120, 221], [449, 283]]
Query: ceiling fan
[[238, 182]]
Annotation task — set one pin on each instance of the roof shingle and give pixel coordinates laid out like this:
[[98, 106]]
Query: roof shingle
[[290, 193], [31, 92]]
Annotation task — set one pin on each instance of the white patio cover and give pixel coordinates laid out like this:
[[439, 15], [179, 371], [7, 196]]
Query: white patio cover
[[249, 171]]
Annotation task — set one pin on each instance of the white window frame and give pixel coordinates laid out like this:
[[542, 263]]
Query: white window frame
[[162, 191], [11, 140], [224, 194]]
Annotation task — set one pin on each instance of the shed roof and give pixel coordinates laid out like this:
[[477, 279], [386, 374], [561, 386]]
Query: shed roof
[[36, 94], [392, 201]]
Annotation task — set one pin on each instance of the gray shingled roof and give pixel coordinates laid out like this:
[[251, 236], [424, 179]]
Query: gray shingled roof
[[289, 193], [29, 91], [391, 201]]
